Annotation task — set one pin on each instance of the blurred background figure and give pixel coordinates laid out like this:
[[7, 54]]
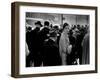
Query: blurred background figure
[[43, 33], [86, 49]]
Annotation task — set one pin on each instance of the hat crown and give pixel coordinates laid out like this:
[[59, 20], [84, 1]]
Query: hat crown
[[38, 22]]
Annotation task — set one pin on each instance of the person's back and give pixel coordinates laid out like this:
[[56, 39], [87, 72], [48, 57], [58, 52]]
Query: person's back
[[71, 57], [51, 55], [85, 48], [28, 39], [34, 34], [43, 34]]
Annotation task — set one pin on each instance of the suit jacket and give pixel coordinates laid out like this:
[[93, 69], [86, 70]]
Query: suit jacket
[[32, 40], [42, 36], [51, 56]]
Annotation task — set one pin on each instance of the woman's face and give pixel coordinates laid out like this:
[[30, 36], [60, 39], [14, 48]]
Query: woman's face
[[67, 28]]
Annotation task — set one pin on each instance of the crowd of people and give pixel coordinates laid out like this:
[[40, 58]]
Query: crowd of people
[[51, 45]]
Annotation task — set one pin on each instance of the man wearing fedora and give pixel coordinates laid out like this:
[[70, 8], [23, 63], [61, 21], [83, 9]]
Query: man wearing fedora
[[34, 56], [43, 35]]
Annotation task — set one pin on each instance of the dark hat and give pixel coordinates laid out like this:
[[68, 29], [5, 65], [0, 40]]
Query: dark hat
[[52, 33], [56, 27], [39, 23]]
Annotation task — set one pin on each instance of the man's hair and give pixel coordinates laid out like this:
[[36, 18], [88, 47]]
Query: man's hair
[[46, 23]]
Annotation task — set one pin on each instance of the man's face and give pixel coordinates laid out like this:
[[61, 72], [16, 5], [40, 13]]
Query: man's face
[[75, 32]]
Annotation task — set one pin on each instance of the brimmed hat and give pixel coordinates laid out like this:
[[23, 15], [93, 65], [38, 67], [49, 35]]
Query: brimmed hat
[[38, 22], [56, 27], [52, 33]]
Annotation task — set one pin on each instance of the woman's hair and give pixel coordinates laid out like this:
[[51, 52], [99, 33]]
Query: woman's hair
[[65, 24]]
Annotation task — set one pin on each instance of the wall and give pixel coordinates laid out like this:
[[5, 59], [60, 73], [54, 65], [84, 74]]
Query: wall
[[56, 19], [5, 40]]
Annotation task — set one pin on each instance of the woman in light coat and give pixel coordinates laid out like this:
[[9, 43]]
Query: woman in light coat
[[64, 46]]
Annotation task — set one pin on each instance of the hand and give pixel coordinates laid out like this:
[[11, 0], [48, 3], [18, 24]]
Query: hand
[[69, 49]]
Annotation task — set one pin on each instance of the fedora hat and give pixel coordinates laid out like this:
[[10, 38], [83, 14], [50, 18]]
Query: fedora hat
[[39, 23], [52, 33]]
